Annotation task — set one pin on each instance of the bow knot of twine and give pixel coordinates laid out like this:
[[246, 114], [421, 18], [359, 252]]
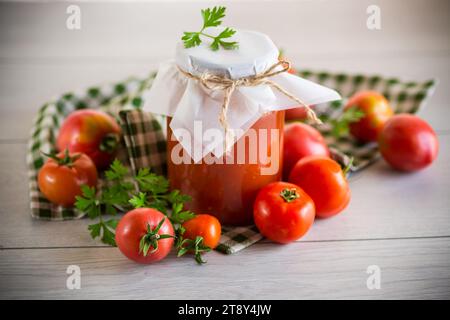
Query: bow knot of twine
[[227, 85]]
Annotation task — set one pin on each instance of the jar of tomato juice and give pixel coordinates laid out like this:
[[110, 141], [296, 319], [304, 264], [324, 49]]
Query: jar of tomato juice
[[228, 190], [242, 91]]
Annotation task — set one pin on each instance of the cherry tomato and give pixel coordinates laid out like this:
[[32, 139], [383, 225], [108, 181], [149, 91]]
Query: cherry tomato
[[376, 112], [61, 177], [301, 140], [145, 235], [408, 143], [323, 180], [92, 132], [203, 225], [283, 212]]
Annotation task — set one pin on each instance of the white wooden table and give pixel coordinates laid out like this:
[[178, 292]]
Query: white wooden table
[[398, 222]]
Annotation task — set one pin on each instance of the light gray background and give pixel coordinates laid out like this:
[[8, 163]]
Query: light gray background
[[396, 221]]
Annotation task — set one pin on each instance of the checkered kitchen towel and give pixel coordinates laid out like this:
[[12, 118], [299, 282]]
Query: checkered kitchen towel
[[404, 97], [144, 140]]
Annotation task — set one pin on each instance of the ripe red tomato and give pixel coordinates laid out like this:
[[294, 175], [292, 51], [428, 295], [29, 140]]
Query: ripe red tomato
[[298, 113], [283, 212], [92, 132], [323, 180], [376, 112], [408, 143], [203, 225], [144, 235], [61, 177], [301, 140]]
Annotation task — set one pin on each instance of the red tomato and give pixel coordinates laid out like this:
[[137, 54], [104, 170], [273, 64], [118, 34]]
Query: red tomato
[[61, 177], [301, 140], [205, 226], [298, 113], [283, 212], [92, 132], [377, 111], [144, 226], [408, 143], [323, 180]]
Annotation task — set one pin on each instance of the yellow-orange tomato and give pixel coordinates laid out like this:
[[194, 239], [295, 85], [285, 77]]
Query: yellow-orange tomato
[[61, 177], [206, 226], [376, 112]]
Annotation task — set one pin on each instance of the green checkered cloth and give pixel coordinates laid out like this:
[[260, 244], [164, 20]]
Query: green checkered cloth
[[404, 97], [144, 142]]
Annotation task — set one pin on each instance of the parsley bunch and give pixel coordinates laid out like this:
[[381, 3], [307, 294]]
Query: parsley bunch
[[121, 193], [211, 18]]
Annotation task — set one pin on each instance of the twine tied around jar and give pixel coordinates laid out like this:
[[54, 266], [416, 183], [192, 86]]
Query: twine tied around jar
[[227, 85]]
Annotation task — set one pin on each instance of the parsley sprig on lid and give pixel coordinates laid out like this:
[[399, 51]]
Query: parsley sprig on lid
[[211, 18]]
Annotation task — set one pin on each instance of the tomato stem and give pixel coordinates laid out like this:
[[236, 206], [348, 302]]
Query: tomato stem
[[109, 143], [348, 167], [151, 238], [67, 160], [195, 246], [289, 195]]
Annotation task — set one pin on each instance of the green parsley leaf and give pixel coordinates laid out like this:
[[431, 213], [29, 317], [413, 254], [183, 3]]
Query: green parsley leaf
[[88, 202], [103, 229], [108, 236], [176, 196], [159, 204], [179, 215], [139, 201], [112, 223], [117, 194], [95, 230], [340, 126], [227, 33], [151, 182], [117, 171], [191, 39], [211, 18]]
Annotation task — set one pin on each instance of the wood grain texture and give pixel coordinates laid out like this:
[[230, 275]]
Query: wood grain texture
[[396, 221], [412, 269]]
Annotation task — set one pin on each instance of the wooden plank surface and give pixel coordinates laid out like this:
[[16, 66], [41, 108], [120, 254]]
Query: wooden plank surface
[[385, 204], [395, 221], [414, 269]]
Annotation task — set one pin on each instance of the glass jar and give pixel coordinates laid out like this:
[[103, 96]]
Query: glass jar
[[228, 190]]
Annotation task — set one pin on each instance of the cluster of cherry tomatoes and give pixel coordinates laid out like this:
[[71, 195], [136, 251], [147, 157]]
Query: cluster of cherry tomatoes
[[317, 186]]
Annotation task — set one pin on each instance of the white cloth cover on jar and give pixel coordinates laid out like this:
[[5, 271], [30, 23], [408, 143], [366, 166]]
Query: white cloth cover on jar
[[190, 104]]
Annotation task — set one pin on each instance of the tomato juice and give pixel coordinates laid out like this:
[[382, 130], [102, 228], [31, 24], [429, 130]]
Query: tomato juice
[[227, 189]]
